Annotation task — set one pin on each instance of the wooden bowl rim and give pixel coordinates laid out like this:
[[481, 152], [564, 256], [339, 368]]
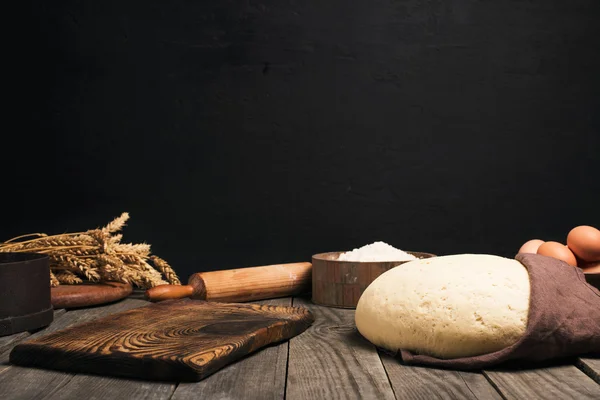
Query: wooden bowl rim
[[592, 269], [328, 257], [17, 258], [591, 273]]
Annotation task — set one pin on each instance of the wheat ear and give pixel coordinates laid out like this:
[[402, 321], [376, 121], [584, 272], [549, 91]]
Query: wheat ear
[[166, 270]]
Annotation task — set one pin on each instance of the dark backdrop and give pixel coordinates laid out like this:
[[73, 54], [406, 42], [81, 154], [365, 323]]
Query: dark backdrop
[[242, 133]]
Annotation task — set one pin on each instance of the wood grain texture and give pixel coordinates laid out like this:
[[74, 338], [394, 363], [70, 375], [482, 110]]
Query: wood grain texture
[[26, 383], [262, 374], [98, 387], [341, 283], [169, 292], [557, 382], [411, 382], [85, 295], [332, 361], [591, 367], [8, 342], [253, 283], [177, 340], [240, 284], [259, 376], [92, 387]]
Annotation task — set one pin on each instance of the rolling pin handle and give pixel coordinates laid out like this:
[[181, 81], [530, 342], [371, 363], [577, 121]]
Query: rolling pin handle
[[168, 292]]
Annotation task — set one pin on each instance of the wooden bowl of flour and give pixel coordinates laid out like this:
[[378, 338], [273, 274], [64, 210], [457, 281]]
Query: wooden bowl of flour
[[338, 283]]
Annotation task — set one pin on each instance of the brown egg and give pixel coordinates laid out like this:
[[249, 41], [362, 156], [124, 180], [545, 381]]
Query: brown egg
[[584, 242], [558, 250], [531, 246]]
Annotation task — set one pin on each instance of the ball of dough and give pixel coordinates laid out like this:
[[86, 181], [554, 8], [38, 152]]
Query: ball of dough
[[447, 307]]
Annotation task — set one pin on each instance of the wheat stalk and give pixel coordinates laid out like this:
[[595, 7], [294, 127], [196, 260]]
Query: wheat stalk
[[166, 270], [117, 224], [53, 281], [96, 255], [142, 250], [80, 266], [24, 236], [68, 278], [101, 239]]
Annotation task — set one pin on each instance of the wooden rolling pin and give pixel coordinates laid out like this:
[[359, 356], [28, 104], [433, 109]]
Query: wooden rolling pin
[[241, 284]]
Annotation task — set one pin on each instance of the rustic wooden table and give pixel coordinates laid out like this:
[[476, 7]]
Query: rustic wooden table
[[328, 361]]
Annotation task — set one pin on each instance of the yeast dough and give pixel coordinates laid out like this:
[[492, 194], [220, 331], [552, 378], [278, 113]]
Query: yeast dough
[[448, 306]]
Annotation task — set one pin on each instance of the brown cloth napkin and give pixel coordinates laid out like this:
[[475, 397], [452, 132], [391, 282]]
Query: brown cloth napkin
[[563, 321]]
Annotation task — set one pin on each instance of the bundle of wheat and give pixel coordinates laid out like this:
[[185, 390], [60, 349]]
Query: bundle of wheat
[[96, 255]]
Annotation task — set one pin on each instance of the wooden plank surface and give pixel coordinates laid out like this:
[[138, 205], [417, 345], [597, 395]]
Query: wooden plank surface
[[411, 382], [93, 387], [8, 342], [556, 382], [259, 376], [178, 340], [28, 383], [591, 367], [332, 361]]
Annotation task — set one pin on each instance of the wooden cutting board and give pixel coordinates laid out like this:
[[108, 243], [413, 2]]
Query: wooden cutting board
[[85, 295], [176, 340]]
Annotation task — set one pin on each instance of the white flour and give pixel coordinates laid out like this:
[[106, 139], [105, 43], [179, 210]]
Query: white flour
[[378, 251]]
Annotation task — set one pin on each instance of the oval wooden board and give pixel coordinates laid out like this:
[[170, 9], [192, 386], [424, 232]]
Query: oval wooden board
[[85, 295]]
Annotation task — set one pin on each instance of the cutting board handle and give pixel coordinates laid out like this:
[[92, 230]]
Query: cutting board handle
[[168, 292]]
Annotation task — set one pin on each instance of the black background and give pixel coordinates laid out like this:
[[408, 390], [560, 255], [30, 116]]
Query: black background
[[242, 133]]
